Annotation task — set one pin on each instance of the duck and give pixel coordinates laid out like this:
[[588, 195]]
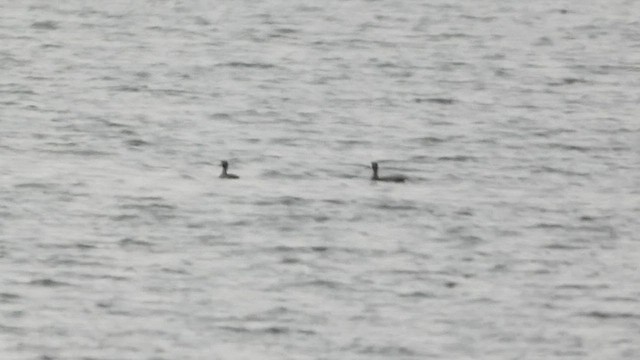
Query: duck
[[224, 174], [392, 178]]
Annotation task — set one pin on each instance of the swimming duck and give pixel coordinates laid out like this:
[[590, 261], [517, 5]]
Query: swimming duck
[[392, 178], [225, 175]]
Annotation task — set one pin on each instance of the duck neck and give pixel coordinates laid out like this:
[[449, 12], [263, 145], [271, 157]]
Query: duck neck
[[375, 174]]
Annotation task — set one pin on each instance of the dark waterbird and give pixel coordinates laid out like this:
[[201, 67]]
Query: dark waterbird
[[225, 175], [392, 178]]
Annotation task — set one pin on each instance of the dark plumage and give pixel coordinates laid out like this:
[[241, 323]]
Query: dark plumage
[[392, 178], [225, 175]]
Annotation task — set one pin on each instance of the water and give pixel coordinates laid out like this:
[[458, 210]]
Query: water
[[515, 238]]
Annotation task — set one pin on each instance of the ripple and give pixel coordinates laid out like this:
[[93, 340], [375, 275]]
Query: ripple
[[129, 88], [606, 315], [48, 283], [450, 35], [418, 294], [441, 101], [129, 242], [390, 350], [553, 170], [8, 297], [136, 142], [286, 31], [587, 218], [45, 25], [431, 140], [318, 283], [8, 329], [249, 65], [290, 260], [283, 200], [563, 247], [458, 158], [548, 226], [270, 330], [568, 81], [125, 217], [149, 207], [33, 185], [570, 147], [396, 207], [335, 201], [582, 286]]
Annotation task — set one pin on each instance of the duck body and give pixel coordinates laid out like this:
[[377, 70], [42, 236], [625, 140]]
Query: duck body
[[225, 174], [391, 178], [229, 176]]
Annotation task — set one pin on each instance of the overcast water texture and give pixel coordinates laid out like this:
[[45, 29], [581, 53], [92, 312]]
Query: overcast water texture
[[516, 237]]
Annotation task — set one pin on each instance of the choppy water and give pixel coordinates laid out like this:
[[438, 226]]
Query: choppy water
[[516, 238]]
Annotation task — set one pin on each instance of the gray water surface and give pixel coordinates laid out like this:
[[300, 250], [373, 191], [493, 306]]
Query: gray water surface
[[515, 238]]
